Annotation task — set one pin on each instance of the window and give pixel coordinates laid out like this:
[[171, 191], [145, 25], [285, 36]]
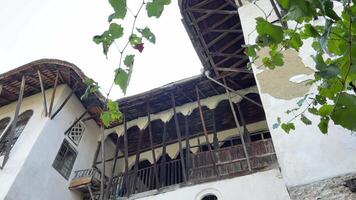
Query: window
[[209, 197], [65, 159], [75, 134], [20, 126], [3, 124]]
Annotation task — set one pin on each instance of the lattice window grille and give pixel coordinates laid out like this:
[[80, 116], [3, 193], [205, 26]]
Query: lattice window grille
[[75, 134]]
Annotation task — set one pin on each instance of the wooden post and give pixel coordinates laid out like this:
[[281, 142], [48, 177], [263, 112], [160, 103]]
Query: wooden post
[[43, 93], [212, 154], [187, 146], [102, 183], [164, 149], [179, 137], [53, 94], [151, 144], [14, 122], [239, 128], [126, 157], [0, 89], [215, 134], [137, 159]]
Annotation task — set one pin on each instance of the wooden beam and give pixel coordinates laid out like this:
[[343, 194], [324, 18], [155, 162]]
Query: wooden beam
[[96, 155], [108, 187], [240, 70], [227, 55], [201, 3], [215, 135], [14, 122], [187, 146], [151, 144], [222, 35], [137, 161], [126, 154], [239, 128], [222, 31], [214, 11], [64, 102], [0, 89], [53, 94], [246, 132], [43, 93], [209, 14], [102, 181], [179, 137], [212, 155], [163, 162]]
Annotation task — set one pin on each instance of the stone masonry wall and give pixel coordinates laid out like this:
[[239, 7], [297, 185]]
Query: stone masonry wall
[[329, 189]]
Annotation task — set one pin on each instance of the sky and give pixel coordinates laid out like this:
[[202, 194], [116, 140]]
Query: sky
[[36, 29]]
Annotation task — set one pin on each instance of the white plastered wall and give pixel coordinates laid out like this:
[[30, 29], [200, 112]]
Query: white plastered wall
[[36, 178], [265, 185], [305, 155]]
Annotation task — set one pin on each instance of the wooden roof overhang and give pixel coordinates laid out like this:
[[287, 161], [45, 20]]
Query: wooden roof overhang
[[69, 74], [215, 30]]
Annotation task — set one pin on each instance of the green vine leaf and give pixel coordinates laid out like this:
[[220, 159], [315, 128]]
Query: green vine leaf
[[287, 127], [345, 113], [323, 124], [156, 7], [116, 31], [146, 33], [269, 33], [305, 120], [120, 9]]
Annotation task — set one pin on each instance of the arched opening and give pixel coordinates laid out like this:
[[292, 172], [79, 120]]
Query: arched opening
[[20, 126], [209, 197]]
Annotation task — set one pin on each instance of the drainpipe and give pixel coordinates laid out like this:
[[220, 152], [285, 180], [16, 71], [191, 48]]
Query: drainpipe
[[207, 74]]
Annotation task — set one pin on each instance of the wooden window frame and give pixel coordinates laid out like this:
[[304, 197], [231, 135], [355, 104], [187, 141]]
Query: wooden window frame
[[60, 160]]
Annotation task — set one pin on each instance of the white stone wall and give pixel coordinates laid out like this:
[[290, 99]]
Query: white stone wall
[[305, 155], [265, 185], [36, 178]]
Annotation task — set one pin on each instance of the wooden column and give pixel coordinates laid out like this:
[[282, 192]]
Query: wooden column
[[138, 151], [126, 152], [108, 187], [14, 122], [53, 93], [151, 144], [187, 146], [179, 137], [0, 89], [212, 155], [240, 131], [43, 93], [102, 182], [164, 149]]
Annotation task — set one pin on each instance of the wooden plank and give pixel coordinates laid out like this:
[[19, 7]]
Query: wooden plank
[[43, 93], [14, 122], [212, 155], [53, 93], [151, 144], [179, 136]]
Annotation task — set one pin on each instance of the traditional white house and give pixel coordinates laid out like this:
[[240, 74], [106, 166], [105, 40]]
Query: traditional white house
[[207, 137]]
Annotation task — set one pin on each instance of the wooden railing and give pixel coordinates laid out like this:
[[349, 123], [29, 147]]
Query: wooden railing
[[229, 162]]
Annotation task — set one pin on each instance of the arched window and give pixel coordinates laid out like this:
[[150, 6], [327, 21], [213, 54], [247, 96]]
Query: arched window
[[3, 124], [20, 126], [209, 197]]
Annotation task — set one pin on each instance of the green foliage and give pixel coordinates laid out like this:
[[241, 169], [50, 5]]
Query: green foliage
[[92, 87], [116, 32], [335, 59], [156, 7]]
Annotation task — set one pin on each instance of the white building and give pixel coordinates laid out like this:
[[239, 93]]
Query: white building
[[179, 141]]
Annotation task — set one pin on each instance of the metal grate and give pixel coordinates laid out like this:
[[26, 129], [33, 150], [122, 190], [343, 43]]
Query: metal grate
[[75, 134]]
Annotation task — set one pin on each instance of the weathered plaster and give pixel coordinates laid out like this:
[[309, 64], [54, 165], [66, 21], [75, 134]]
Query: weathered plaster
[[280, 81]]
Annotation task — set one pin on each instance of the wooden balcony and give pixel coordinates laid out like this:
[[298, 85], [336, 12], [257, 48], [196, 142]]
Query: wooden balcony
[[229, 162]]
